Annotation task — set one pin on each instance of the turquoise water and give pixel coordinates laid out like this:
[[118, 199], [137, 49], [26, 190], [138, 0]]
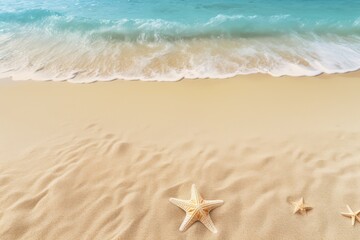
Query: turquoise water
[[84, 40]]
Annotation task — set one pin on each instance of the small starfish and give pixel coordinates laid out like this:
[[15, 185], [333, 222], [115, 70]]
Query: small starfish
[[351, 214], [197, 209], [301, 207]]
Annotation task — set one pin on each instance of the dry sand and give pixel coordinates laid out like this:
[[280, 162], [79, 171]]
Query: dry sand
[[100, 161]]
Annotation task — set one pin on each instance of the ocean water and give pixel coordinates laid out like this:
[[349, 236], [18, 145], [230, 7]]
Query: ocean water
[[167, 40]]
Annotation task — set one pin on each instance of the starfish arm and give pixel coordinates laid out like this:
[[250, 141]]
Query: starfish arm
[[357, 218], [195, 195], [296, 209], [349, 208], [346, 214], [188, 221], [296, 206], [183, 204], [353, 220], [206, 220], [307, 207], [209, 205]]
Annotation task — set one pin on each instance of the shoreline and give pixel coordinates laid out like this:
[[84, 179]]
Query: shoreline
[[349, 73]]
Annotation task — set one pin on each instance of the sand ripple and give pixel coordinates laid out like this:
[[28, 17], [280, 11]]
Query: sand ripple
[[105, 187]]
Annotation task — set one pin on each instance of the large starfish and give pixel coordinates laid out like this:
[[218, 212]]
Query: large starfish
[[351, 214], [197, 209], [301, 207]]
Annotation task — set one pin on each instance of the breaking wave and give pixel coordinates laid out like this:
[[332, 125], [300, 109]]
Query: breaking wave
[[47, 45]]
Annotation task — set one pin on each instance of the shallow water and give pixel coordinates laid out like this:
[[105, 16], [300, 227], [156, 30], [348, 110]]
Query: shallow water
[[84, 41]]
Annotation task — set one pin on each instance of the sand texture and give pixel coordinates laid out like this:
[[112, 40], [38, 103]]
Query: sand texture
[[100, 161]]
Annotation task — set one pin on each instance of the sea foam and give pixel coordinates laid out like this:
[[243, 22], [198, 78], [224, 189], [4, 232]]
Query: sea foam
[[45, 41]]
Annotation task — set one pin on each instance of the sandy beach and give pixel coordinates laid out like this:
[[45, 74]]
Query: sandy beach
[[100, 161]]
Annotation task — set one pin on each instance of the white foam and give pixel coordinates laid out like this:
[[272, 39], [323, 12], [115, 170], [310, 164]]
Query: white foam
[[77, 59]]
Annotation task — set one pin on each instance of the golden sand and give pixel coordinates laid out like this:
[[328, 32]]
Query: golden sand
[[100, 161]]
